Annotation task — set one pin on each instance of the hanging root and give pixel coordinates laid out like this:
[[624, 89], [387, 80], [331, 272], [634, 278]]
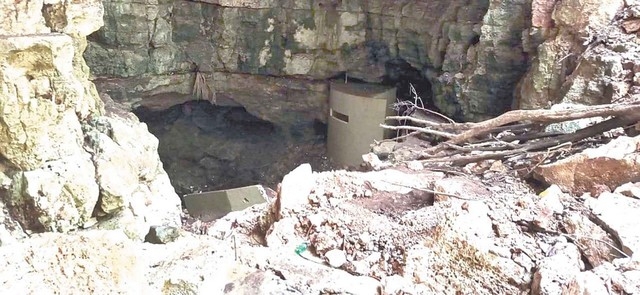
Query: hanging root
[[201, 89]]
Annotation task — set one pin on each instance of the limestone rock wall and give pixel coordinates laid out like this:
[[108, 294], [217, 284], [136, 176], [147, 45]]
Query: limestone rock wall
[[56, 173], [590, 54], [470, 51]]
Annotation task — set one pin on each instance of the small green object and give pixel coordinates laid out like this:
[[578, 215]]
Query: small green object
[[301, 248]]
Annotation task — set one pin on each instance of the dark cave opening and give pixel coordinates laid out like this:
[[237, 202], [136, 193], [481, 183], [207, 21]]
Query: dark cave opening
[[205, 147], [411, 85]]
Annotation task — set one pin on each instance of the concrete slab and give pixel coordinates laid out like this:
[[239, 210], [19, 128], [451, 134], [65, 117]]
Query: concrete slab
[[209, 206]]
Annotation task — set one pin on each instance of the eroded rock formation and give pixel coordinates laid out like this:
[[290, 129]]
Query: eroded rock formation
[[67, 156], [274, 56], [590, 54], [64, 159]]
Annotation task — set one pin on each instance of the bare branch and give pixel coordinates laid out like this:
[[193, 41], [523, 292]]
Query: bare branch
[[418, 121], [421, 129], [546, 116]]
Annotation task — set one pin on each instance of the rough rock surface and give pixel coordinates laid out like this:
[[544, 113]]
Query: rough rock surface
[[104, 262], [64, 159], [589, 55], [617, 212], [402, 229], [295, 187], [129, 172], [470, 51], [356, 233], [610, 165]]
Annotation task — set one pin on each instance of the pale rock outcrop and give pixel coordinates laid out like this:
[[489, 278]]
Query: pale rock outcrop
[[587, 57], [617, 213], [611, 165], [54, 173], [41, 96], [556, 270], [295, 189], [129, 171], [585, 283], [57, 197], [100, 262], [45, 97], [596, 243]]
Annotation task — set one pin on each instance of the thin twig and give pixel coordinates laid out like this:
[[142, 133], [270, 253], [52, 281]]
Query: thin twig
[[416, 97], [398, 137], [420, 129], [576, 237], [235, 248]]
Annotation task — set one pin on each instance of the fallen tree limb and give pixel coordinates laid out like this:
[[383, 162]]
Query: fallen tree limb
[[545, 116], [527, 117], [420, 129], [514, 133], [539, 145], [398, 138], [422, 121]]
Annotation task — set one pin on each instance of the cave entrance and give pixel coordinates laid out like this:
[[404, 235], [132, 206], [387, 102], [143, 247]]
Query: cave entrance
[[205, 147]]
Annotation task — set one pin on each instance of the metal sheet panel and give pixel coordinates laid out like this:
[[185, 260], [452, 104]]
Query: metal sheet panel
[[212, 205], [356, 111]]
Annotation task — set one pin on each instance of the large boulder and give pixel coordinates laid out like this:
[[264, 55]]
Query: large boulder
[[63, 160], [586, 56], [43, 97], [129, 171], [611, 165]]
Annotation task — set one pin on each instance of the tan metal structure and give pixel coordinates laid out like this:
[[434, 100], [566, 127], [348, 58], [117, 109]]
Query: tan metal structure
[[356, 111], [208, 206]]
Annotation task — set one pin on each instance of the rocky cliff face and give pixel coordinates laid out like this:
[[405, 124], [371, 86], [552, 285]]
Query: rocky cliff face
[[65, 160], [590, 54], [274, 57]]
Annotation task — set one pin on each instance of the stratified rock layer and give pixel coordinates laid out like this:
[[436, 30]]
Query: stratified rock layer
[[589, 55], [469, 51], [63, 159]]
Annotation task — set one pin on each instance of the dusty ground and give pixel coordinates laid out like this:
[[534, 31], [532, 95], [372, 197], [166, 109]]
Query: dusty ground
[[416, 230], [401, 228]]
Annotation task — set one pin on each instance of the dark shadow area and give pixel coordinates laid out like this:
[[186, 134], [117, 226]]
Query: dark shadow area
[[408, 81], [403, 76], [205, 147]]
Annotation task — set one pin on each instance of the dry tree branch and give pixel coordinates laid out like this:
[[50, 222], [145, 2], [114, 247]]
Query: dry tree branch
[[420, 129], [544, 116], [410, 108], [413, 133], [511, 134], [422, 108], [538, 145], [530, 136], [419, 121]]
